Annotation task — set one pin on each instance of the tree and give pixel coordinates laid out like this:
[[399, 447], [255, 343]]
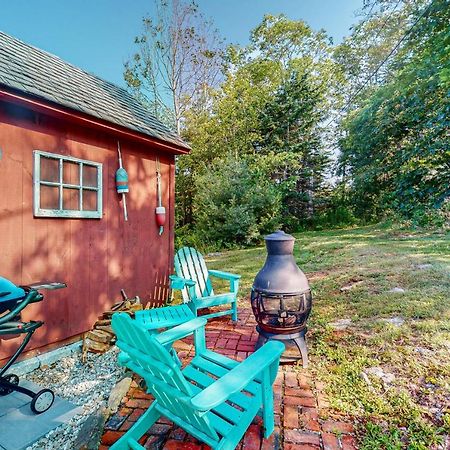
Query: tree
[[361, 56], [396, 145], [253, 75], [178, 61], [291, 138], [382, 25]]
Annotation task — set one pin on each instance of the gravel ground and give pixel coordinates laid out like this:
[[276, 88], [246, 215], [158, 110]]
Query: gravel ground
[[87, 385]]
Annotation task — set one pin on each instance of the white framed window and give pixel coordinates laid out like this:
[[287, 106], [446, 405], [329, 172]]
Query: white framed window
[[66, 187]]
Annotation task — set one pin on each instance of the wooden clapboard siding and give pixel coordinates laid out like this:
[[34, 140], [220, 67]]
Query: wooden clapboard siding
[[95, 257]]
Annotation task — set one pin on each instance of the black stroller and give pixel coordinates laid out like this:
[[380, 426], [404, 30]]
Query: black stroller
[[13, 299]]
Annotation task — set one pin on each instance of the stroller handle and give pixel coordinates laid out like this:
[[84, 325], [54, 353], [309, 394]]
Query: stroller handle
[[31, 297]]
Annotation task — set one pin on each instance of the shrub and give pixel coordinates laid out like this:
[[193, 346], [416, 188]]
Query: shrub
[[234, 205]]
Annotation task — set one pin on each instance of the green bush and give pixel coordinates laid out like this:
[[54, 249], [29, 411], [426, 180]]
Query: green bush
[[431, 217], [186, 236], [334, 216], [234, 205]]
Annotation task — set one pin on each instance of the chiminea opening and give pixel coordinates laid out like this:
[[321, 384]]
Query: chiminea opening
[[281, 299]]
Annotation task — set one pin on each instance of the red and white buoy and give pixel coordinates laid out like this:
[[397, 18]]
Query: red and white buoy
[[160, 210]]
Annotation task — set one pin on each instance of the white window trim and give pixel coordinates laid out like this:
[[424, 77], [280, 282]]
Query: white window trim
[[40, 212]]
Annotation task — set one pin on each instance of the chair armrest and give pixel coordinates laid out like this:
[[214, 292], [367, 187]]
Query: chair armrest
[[177, 282], [231, 277], [180, 331], [123, 359], [238, 377], [224, 275], [180, 283]]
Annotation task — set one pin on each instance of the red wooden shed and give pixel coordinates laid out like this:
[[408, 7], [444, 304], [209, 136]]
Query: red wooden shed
[[60, 215]]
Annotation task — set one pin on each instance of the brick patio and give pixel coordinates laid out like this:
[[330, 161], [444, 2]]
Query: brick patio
[[302, 420]]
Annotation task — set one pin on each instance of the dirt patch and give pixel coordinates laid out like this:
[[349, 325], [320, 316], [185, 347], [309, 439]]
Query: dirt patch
[[320, 275]]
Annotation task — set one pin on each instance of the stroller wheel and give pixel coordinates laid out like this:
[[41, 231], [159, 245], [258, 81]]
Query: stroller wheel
[[10, 378], [42, 401]]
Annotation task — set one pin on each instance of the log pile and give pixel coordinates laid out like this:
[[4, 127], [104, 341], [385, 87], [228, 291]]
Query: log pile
[[101, 337]]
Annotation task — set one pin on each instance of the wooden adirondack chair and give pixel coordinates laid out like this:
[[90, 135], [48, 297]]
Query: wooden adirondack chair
[[214, 398], [194, 280]]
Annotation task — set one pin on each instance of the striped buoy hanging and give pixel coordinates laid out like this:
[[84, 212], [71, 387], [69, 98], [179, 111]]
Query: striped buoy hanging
[[160, 210], [122, 182]]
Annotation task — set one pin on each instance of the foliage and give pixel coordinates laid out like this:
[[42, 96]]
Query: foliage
[[278, 84], [333, 215], [290, 129], [260, 147], [267, 107], [376, 438], [229, 128], [234, 206], [361, 53], [395, 148]]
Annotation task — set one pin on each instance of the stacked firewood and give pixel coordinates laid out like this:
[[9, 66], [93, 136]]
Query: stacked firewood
[[101, 337]]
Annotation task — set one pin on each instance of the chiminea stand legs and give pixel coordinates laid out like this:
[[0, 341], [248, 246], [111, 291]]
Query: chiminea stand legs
[[295, 343]]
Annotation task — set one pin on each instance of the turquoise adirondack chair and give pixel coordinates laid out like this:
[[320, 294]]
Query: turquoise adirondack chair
[[194, 280], [214, 398]]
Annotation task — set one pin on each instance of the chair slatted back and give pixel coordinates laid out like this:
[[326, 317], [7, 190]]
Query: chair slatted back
[[162, 374], [189, 263]]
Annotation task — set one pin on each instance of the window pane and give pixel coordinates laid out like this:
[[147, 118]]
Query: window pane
[[60, 191], [71, 173], [49, 169], [71, 199], [89, 176], [49, 197], [89, 200]]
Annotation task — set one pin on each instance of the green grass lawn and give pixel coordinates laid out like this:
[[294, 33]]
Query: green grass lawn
[[409, 406]]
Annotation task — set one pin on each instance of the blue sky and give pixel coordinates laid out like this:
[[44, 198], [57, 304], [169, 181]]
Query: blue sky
[[97, 35]]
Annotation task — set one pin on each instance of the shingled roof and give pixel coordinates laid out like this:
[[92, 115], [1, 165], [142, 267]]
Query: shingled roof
[[40, 74]]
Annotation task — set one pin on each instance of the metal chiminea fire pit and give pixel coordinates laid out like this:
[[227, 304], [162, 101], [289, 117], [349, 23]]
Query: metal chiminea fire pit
[[281, 299]]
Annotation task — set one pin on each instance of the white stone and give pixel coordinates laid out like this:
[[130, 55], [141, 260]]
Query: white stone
[[424, 266], [397, 290], [351, 285], [397, 321], [364, 376], [423, 351], [389, 378], [49, 358], [378, 372], [117, 394], [340, 324]]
